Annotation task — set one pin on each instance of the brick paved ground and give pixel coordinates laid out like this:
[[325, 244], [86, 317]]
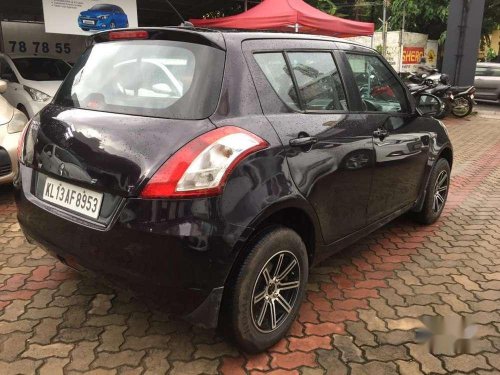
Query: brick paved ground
[[359, 316]]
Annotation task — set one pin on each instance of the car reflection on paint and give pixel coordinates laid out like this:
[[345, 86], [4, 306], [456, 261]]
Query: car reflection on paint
[[62, 163]]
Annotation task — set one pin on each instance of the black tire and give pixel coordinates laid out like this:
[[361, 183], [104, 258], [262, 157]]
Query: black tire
[[470, 106], [445, 111], [263, 256], [430, 210], [85, 29]]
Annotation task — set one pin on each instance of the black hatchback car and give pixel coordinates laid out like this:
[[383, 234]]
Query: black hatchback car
[[211, 169]]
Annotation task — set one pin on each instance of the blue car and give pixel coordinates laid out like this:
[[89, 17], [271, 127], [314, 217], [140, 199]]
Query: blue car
[[102, 17]]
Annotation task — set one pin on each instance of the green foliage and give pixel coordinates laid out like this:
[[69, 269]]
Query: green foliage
[[361, 10], [491, 54], [326, 6], [491, 21], [422, 16], [431, 17]]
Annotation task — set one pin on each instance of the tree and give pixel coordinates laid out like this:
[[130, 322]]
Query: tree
[[422, 16], [359, 10], [491, 21], [326, 6], [431, 17]]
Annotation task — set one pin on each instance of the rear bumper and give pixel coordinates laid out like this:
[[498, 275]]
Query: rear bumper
[[162, 249]]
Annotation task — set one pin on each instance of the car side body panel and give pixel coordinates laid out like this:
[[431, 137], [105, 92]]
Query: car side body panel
[[487, 82]]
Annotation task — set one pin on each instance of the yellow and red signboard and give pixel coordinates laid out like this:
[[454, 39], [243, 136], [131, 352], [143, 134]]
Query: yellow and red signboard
[[412, 55]]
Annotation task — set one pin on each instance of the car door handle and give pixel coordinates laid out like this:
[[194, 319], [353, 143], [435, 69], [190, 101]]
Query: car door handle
[[380, 133], [303, 141]]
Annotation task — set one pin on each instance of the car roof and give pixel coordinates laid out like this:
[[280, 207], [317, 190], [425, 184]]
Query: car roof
[[270, 34], [241, 35]]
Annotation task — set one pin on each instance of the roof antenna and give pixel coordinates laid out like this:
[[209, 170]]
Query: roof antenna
[[184, 23]]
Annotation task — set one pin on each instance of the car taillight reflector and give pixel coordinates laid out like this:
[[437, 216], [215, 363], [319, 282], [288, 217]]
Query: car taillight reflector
[[201, 167], [20, 144], [128, 34]]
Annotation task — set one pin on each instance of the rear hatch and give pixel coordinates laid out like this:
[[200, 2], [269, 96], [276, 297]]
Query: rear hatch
[[127, 105]]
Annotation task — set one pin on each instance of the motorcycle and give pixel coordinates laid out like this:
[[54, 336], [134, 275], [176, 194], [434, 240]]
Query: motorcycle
[[457, 100], [417, 88], [463, 102]]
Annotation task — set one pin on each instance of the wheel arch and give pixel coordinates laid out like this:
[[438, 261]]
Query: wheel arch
[[294, 218], [446, 153], [295, 214]]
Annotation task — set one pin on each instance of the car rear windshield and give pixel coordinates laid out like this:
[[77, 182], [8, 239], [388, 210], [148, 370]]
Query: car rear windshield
[[42, 69], [167, 79]]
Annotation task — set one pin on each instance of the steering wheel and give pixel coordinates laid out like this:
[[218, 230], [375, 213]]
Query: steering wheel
[[370, 106], [331, 106]]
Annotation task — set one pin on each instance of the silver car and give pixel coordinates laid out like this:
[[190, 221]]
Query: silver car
[[12, 122], [487, 82]]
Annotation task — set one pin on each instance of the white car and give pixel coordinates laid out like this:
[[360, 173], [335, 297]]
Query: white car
[[32, 81], [12, 122]]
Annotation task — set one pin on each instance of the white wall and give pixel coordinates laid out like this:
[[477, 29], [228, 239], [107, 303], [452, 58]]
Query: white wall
[[412, 42]]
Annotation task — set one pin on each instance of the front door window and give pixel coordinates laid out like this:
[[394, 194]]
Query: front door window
[[379, 88]]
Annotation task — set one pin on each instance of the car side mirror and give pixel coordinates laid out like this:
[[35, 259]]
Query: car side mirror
[[3, 86], [429, 105]]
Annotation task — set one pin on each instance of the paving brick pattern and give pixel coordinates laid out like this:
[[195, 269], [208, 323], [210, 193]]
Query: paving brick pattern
[[360, 315]]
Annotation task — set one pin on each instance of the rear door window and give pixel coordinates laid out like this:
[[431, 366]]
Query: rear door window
[[308, 81], [318, 81], [277, 73], [168, 79]]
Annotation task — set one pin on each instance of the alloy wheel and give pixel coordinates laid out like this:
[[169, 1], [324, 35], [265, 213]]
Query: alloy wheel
[[275, 291], [461, 107], [440, 191]]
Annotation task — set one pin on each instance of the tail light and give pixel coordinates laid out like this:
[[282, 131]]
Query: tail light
[[128, 34], [202, 166], [20, 145]]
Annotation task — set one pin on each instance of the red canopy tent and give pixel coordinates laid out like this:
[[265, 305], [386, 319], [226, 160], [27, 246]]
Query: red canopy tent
[[288, 15]]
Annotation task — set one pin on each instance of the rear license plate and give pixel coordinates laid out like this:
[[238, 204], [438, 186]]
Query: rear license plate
[[73, 198], [88, 22]]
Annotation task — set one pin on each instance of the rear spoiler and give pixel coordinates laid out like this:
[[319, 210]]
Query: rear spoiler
[[206, 37]]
